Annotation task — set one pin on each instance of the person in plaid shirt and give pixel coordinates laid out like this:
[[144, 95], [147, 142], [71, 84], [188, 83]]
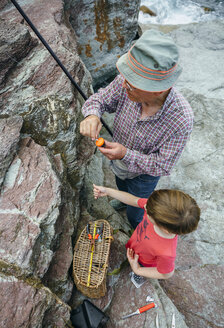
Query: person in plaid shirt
[[153, 121]]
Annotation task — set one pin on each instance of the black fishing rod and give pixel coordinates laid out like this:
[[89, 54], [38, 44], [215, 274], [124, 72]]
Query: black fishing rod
[[56, 58]]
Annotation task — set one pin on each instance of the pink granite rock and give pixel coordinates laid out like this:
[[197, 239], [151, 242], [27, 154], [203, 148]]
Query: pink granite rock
[[38, 89], [57, 277], [198, 295], [29, 208], [28, 305]]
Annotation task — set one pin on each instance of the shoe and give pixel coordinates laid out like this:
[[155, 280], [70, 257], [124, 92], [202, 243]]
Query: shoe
[[117, 205], [138, 281]]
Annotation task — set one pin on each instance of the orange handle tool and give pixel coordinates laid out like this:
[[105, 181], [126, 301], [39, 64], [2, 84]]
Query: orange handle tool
[[140, 310], [100, 142], [146, 307], [97, 236], [88, 232]]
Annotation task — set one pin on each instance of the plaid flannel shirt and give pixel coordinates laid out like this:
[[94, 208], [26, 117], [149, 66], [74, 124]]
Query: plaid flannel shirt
[[153, 144]]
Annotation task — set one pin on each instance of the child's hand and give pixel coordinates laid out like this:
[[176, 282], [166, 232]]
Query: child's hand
[[130, 253], [99, 191], [133, 260]]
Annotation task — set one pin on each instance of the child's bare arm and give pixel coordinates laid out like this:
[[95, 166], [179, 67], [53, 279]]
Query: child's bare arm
[[153, 273], [124, 197], [143, 271]]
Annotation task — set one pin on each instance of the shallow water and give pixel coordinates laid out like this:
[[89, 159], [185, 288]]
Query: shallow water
[[179, 12]]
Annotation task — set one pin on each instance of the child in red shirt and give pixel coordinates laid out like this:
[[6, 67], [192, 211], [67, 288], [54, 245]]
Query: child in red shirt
[[151, 250]]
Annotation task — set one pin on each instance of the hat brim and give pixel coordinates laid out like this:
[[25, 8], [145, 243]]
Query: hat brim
[[143, 83]]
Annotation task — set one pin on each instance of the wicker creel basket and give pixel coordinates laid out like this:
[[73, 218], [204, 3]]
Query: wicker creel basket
[[90, 259]]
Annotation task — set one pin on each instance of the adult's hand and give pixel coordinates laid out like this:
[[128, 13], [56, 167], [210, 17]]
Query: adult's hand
[[91, 126], [113, 150]]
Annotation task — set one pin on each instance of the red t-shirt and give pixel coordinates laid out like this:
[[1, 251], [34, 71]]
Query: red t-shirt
[[153, 250]]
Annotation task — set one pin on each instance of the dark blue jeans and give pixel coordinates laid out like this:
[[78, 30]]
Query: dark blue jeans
[[141, 186]]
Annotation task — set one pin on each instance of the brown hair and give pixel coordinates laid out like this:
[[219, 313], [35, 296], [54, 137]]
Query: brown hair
[[173, 210]]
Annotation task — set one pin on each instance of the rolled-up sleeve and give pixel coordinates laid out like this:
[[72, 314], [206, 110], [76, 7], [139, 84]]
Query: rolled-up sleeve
[[105, 99]]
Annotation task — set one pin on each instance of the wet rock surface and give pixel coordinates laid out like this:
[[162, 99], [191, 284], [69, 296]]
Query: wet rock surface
[[211, 5]]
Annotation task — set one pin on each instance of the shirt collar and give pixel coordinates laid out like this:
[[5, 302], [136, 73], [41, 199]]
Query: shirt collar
[[163, 109]]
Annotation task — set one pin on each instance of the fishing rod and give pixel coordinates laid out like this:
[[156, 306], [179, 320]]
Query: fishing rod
[[56, 58]]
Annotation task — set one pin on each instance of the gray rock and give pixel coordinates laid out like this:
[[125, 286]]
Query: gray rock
[[3, 3], [103, 34], [100, 208], [198, 295], [127, 299], [199, 172], [200, 169], [15, 43], [201, 56]]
